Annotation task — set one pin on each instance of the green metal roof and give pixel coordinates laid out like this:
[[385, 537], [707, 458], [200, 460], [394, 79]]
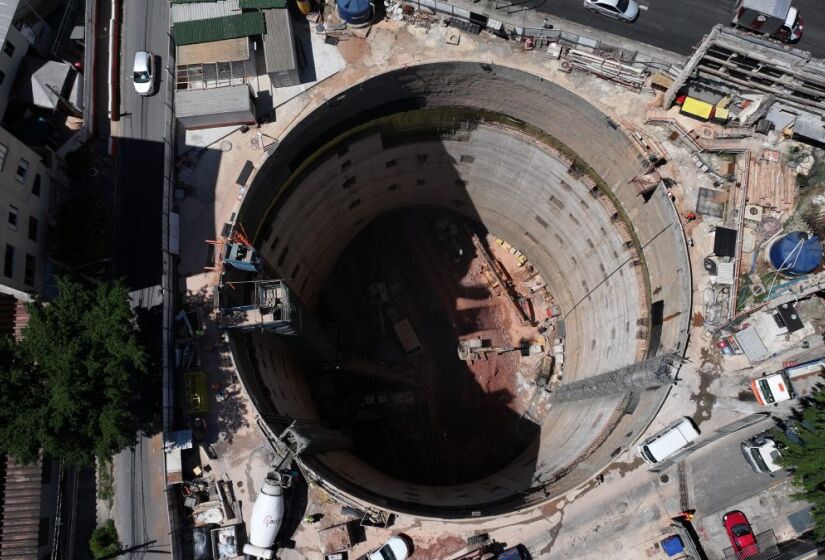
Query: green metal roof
[[261, 4], [218, 29]]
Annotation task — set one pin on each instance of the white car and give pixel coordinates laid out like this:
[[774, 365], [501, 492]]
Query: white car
[[625, 10], [143, 73], [396, 548]]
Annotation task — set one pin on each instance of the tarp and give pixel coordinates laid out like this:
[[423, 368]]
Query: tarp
[[697, 108], [796, 254]]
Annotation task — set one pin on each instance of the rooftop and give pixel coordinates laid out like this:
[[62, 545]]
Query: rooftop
[[220, 28]]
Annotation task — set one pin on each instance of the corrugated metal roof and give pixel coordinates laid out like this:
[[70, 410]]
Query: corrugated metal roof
[[262, 4], [725, 271], [751, 344], [7, 10], [204, 10], [228, 50], [197, 102], [191, 1], [21, 510], [279, 46], [217, 29]]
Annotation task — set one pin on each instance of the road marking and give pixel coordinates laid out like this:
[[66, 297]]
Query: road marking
[[643, 7]]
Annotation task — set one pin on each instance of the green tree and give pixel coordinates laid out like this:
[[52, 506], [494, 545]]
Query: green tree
[[74, 402], [104, 541], [805, 456]]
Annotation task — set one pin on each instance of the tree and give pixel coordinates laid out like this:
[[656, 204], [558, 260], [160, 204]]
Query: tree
[[805, 455], [104, 542], [71, 377]]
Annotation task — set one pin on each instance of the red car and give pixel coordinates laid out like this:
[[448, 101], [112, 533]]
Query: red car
[[740, 534]]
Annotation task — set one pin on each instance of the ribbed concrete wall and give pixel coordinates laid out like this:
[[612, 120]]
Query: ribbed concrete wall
[[522, 193]]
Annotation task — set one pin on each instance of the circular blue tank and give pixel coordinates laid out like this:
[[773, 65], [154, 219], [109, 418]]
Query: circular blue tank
[[796, 254], [355, 12]]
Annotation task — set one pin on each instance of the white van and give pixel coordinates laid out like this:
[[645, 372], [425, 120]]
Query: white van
[[670, 440]]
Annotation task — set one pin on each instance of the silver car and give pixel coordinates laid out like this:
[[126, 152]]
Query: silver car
[[625, 10], [143, 73]]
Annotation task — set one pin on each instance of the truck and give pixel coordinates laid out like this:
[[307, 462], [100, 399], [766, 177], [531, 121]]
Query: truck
[[762, 454], [267, 515], [773, 388], [775, 18]]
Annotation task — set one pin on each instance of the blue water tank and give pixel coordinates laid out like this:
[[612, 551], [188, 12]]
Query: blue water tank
[[796, 254], [673, 545], [355, 12]]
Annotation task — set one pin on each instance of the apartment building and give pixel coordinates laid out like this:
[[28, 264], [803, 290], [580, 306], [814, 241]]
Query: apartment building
[[24, 211]]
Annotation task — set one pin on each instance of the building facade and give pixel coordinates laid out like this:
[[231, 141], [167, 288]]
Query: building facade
[[24, 213]]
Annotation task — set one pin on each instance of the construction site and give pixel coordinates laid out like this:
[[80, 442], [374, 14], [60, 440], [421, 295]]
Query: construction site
[[446, 267]]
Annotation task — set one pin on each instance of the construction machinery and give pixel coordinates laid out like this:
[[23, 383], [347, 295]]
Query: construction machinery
[[267, 515], [478, 348]]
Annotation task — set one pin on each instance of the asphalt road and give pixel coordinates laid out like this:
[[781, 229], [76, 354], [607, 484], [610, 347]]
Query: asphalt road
[[679, 25], [139, 136], [140, 501], [721, 477], [140, 505]]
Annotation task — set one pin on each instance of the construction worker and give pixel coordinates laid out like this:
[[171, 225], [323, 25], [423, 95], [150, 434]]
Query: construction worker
[[690, 216]]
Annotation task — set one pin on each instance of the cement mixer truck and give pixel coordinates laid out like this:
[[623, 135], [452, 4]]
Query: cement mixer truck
[[267, 515]]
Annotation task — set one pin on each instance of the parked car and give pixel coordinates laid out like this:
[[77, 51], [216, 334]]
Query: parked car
[[143, 73], [670, 440], [625, 10], [740, 534], [762, 454], [396, 548]]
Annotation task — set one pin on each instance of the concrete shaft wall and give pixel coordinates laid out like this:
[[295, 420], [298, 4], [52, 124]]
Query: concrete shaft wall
[[522, 192]]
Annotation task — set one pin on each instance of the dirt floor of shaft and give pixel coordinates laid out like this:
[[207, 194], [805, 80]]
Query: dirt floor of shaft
[[404, 292]]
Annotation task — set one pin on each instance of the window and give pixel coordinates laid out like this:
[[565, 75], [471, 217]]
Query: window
[[8, 48], [2, 76], [8, 265], [3, 151], [13, 217], [33, 228], [22, 169], [36, 185], [28, 273]]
